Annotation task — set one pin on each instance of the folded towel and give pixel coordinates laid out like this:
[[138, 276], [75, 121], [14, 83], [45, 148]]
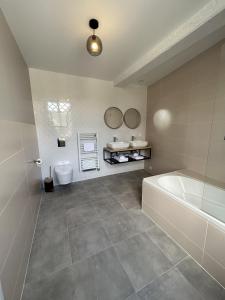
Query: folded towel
[[136, 156], [89, 147], [121, 158], [139, 157]]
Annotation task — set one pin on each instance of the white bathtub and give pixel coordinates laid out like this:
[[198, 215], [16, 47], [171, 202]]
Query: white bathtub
[[198, 194], [192, 211]]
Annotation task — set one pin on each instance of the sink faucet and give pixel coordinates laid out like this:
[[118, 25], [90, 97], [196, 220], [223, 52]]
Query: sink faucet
[[115, 139], [132, 138]]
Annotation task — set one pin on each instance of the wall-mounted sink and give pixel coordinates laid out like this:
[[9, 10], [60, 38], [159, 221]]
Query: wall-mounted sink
[[118, 145], [138, 143]]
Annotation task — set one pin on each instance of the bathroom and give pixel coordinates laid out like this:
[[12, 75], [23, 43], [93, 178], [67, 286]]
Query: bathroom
[[112, 153]]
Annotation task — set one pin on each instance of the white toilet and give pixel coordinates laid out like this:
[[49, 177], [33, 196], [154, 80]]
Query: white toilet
[[64, 172]]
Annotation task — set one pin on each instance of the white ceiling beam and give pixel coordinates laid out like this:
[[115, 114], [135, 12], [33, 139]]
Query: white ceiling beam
[[204, 23]]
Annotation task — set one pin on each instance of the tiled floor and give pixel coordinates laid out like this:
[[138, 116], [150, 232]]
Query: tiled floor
[[93, 243]]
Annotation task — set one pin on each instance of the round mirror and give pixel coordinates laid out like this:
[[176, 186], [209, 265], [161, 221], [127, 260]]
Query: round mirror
[[132, 118], [113, 117]]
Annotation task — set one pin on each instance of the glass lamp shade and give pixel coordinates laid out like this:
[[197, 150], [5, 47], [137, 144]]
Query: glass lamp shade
[[94, 45]]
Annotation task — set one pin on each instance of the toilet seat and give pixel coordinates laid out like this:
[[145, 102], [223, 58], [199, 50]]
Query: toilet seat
[[64, 172]]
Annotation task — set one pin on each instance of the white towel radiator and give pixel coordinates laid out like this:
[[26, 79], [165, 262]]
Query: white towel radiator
[[88, 160]]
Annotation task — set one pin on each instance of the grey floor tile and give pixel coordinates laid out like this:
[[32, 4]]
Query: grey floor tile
[[100, 195], [50, 226], [142, 222], [129, 199], [53, 208], [57, 193], [102, 274], [141, 259], [84, 281], [120, 226], [98, 190], [74, 200], [81, 214], [133, 297], [49, 254], [118, 188], [59, 286], [87, 188], [198, 278], [170, 286], [143, 173], [88, 240], [170, 249], [101, 277], [107, 206], [73, 189]]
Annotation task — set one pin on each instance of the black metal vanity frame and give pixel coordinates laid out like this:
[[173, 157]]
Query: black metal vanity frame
[[108, 154]]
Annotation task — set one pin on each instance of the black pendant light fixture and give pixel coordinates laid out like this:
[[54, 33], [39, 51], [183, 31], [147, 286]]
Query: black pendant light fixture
[[94, 44]]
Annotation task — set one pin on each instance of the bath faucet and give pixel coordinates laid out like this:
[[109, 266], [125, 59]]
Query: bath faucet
[[115, 139], [132, 138]]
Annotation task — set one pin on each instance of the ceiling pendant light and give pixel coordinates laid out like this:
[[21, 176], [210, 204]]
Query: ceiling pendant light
[[94, 44]]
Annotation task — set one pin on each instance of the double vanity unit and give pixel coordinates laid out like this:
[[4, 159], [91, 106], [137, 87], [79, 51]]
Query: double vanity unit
[[124, 152]]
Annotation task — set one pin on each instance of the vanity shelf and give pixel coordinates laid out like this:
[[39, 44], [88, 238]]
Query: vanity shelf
[[109, 153]]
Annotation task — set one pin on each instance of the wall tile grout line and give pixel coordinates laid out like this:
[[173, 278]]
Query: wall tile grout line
[[31, 246], [206, 232], [11, 156], [13, 238]]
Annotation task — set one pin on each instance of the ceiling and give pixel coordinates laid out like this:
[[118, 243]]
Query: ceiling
[[52, 34]]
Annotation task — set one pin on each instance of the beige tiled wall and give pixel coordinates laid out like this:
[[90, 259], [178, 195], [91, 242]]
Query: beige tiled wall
[[19, 181], [216, 156], [186, 117], [186, 127]]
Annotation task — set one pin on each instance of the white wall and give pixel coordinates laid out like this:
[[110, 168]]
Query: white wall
[[89, 99]]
